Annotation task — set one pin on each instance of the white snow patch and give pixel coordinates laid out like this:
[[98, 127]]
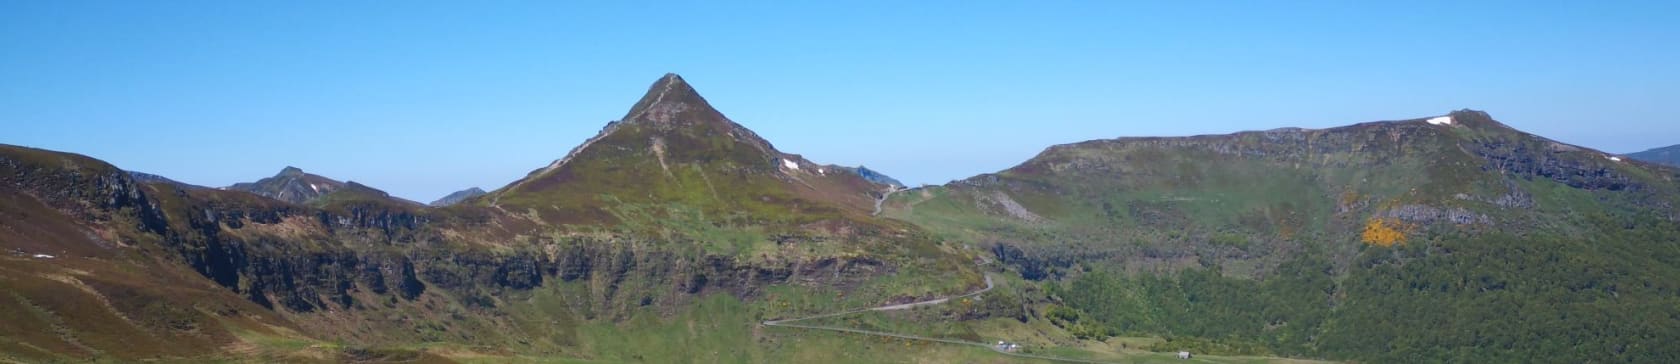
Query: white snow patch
[[313, 187], [1440, 120], [44, 256], [790, 164], [822, 172], [1613, 158]]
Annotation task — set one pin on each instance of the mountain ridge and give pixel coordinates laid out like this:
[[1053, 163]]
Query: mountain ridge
[[292, 185], [1669, 155], [306, 273], [1308, 241], [674, 232], [144, 177], [458, 196]]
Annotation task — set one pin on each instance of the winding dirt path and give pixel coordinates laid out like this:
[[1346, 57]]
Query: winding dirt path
[[788, 323], [884, 198]]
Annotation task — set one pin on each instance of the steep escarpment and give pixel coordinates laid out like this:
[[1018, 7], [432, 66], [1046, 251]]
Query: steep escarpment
[[79, 285], [83, 187], [335, 270]]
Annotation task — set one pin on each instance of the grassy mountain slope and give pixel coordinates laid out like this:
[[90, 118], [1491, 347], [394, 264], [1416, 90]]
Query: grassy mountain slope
[[78, 284], [673, 147], [677, 169], [668, 236], [632, 261], [1669, 155], [1387, 241]]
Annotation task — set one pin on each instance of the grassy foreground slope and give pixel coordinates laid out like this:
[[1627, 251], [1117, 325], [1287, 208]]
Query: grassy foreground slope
[[1448, 239]]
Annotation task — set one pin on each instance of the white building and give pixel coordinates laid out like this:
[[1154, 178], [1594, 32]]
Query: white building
[[1184, 355]]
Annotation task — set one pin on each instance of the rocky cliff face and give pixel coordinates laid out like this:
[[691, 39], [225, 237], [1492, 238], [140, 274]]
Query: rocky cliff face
[[317, 265], [83, 187], [87, 275], [346, 262]]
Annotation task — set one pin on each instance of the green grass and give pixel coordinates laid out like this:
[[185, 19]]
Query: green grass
[[1242, 244], [1251, 242]]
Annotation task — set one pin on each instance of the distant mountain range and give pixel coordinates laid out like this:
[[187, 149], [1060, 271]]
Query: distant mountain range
[[294, 186], [291, 185], [675, 232], [458, 196], [1669, 155], [143, 177]]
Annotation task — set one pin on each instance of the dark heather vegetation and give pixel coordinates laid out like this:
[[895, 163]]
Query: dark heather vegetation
[[670, 235]]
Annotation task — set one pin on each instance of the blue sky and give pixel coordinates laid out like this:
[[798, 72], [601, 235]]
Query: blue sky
[[421, 99]]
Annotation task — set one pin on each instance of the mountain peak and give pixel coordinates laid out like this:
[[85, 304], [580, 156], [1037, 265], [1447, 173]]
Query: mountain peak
[[670, 100], [290, 185], [1476, 118], [674, 147], [459, 196]]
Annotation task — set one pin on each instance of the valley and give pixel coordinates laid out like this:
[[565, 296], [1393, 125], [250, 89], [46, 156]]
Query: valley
[[679, 235]]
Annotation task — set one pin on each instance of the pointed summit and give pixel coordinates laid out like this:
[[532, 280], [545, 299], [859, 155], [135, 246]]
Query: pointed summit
[[672, 101], [291, 185], [674, 149]]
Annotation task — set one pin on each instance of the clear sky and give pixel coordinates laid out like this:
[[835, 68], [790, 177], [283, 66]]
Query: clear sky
[[424, 99]]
